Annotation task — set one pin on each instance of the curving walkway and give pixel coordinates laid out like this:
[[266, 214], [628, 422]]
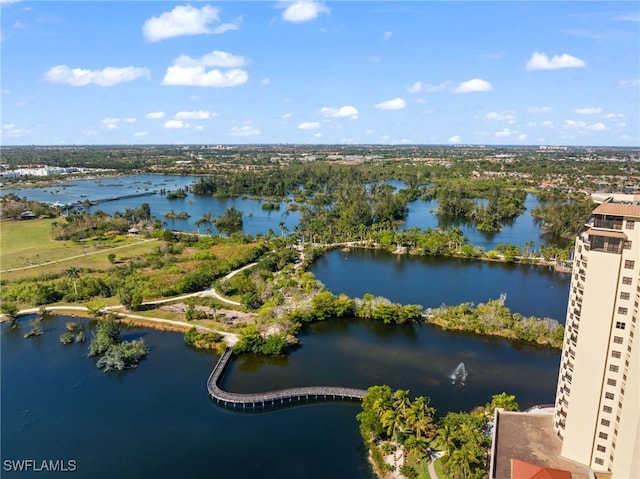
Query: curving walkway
[[280, 398]]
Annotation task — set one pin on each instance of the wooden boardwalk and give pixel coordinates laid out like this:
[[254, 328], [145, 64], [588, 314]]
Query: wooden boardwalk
[[280, 398]]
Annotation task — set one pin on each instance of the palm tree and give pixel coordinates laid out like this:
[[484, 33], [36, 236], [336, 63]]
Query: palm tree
[[421, 416], [393, 421], [74, 274], [446, 437], [401, 401], [283, 228]]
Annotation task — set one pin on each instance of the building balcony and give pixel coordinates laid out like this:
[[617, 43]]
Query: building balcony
[[605, 222]]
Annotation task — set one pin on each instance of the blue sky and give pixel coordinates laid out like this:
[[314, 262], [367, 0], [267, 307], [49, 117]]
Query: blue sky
[[363, 72]]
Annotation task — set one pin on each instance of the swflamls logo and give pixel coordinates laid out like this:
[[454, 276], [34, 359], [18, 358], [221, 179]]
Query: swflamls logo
[[34, 465]]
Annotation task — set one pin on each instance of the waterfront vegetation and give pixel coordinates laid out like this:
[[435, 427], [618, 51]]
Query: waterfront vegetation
[[401, 433], [113, 353], [494, 318], [202, 340], [348, 202]]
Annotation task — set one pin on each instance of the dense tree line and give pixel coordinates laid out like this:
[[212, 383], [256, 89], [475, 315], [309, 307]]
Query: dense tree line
[[391, 419], [562, 217]]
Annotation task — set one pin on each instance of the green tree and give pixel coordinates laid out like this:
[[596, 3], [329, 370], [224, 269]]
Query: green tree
[[10, 310], [74, 273]]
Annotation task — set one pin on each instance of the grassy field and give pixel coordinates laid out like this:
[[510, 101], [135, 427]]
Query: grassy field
[[24, 244]]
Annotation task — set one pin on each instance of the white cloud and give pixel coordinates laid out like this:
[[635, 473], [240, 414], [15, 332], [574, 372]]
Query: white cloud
[[436, 88], [89, 132], [635, 83], [184, 20], [194, 115], [155, 115], [387, 35], [129, 120], [582, 128], [9, 130], [187, 71], [301, 11], [347, 111], [317, 135], [417, 87], [474, 85], [265, 81], [521, 137], [172, 124], [140, 133], [507, 116], [245, 130], [548, 123], [597, 127], [629, 17], [108, 76], [110, 123], [538, 110], [540, 61], [199, 77], [309, 125], [504, 133], [395, 104], [216, 58], [588, 111], [454, 139], [614, 116], [286, 116]]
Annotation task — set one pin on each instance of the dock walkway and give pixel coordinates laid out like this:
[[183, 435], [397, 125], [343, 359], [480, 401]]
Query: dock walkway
[[279, 398]]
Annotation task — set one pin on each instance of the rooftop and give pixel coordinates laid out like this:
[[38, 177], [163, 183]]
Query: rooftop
[[618, 209], [530, 437]]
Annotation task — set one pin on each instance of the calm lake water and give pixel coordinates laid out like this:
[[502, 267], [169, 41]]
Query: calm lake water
[[431, 282], [421, 213], [158, 421]]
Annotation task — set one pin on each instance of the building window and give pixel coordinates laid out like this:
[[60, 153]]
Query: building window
[[629, 264], [611, 382], [607, 409], [616, 354], [625, 295], [626, 244], [599, 461], [622, 310], [626, 280], [620, 325], [609, 396], [601, 448], [613, 368], [617, 339], [603, 435], [631, 224], [605, 422]]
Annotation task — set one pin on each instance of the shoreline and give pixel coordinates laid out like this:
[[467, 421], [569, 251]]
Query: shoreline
[[130, 319]]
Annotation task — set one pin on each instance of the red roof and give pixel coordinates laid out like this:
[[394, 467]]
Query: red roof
[[526, 470]]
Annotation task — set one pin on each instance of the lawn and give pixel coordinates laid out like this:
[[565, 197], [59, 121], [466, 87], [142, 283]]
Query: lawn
[[29, 243]]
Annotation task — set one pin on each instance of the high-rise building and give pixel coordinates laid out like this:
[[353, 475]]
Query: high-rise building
[[597, 406]]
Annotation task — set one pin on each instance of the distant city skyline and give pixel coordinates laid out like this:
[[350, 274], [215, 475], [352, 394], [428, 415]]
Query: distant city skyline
[[310, 72]]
